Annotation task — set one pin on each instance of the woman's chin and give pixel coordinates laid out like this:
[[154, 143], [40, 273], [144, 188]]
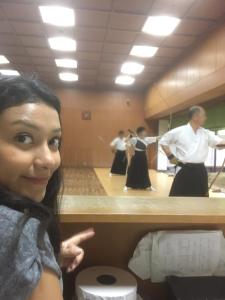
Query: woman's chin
[[36, 196], [39, 197]]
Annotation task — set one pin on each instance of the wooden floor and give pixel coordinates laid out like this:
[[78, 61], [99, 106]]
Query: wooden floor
[[114, 185], [162, 182]]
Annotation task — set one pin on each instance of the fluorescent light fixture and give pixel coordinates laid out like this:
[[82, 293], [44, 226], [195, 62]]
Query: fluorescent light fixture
[[66, 63], [57, 15], [132, 68], [124, 80], [67, 76], [160, 25], [9, 72], [3, 60], [62, 43], [143, 51]]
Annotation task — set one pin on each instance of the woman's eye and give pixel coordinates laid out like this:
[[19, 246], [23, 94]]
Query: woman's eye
[[55, 142], [24, 139]]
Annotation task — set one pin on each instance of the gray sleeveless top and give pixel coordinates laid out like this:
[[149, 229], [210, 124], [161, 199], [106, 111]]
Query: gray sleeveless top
[[21, 263]]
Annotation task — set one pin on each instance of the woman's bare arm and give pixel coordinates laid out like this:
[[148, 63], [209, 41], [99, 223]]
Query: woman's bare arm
[[48, 287]]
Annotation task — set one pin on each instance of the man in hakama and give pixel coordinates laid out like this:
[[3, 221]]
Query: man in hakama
[[190, 144]]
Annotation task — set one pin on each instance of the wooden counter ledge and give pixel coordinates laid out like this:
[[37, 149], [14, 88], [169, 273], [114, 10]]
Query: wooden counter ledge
[[79, 209]]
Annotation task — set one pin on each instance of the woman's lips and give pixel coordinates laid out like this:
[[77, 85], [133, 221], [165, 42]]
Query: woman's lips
[[37, 180]]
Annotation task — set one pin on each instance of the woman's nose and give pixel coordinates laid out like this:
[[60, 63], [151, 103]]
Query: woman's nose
[[46, 158]]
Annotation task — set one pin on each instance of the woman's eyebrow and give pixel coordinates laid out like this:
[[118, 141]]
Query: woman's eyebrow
[[30, 125], [57, 130]]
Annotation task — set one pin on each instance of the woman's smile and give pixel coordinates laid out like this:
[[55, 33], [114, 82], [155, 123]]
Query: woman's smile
[[42, 181]]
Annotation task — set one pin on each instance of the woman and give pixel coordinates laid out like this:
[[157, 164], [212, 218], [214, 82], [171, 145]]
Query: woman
[[30, 181], [137, 175], [118, 146]]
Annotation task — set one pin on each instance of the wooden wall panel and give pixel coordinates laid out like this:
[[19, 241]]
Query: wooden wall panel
[[220, 62], [86, 143], [197, 78]]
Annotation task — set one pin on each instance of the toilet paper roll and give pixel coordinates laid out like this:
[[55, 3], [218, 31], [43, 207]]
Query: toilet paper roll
[[106, 283]]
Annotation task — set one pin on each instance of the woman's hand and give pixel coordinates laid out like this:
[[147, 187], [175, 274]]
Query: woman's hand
[[71, 253]]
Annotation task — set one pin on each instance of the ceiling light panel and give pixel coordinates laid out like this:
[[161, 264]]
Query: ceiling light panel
[[66, 63], [124, 80], [9, 72], [3, 60], [62, 44], [67, 76], [160, 25], [143, 51], [57, 15], [132, 68]]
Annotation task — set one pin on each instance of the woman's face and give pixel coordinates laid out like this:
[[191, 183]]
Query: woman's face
[[29, 148]]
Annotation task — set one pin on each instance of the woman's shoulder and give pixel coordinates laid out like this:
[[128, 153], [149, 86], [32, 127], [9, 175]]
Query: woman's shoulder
[[21, 260], [9, 214], [11, 218], [14, 225]]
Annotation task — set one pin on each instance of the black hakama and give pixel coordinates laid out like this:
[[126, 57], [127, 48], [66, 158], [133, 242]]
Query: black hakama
[[191, 180], [137, 174], [119, 166]]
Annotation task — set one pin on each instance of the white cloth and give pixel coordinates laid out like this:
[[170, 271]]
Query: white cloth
[[192, 253], [179, 253], [140, 263], [119, 144], [190, 146], [147, 141]]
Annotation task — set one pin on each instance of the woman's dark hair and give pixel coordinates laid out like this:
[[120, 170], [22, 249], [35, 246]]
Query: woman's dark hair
[[140, 129], [15, 91]]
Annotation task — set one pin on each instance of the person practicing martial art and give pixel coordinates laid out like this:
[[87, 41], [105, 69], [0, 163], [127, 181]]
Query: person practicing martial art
[[137, 174], [131, 134], [191, 143], [118, 145]]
